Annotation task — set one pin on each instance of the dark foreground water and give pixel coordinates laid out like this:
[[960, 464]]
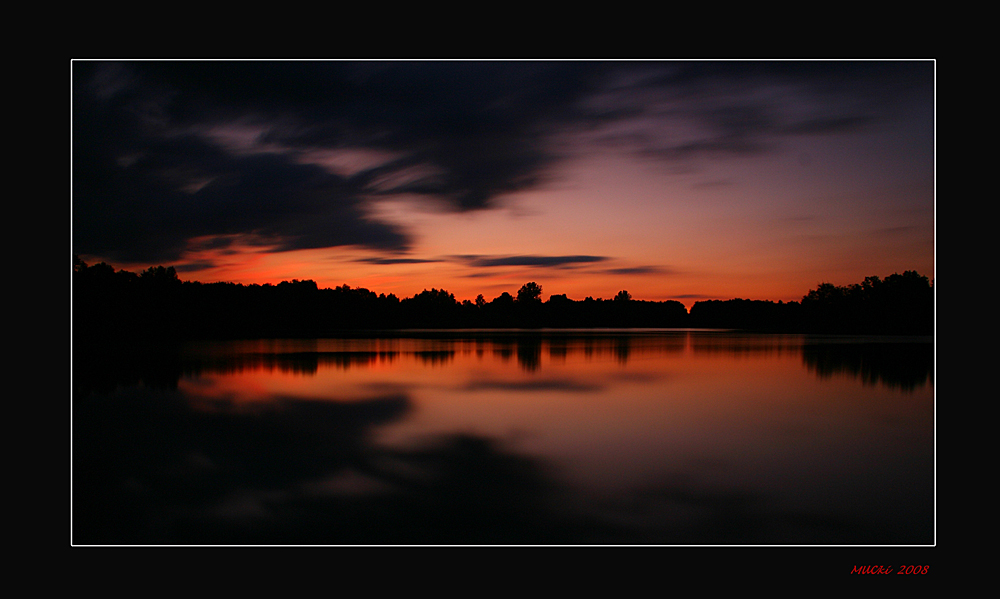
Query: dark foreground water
[[669, 438]]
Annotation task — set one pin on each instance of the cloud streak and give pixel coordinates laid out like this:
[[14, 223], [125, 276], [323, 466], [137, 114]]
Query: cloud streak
[[390, 261], [534, 261], [639, 270]]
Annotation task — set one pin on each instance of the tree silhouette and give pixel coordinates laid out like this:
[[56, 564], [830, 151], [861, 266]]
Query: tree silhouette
[[159, 275], [153, 306], [529, 292]]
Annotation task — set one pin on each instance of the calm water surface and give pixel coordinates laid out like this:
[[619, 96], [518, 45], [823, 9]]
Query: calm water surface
[[669, 437]]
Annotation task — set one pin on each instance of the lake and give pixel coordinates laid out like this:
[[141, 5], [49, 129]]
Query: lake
[[668, 437]]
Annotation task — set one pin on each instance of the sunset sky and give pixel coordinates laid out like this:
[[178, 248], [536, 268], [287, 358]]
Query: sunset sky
[[681, 180]]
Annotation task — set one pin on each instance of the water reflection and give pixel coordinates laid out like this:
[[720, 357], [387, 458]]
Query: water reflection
[[899, 363], [905, 366], [667, 438]]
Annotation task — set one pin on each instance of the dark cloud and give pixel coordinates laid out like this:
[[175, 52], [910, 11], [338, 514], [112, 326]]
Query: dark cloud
[[699, 110], [166, 152], [396, 260], [194, 266], [540, 261], [146, 182], [170, 153], [482, 125], [558, 262], [639, 270]]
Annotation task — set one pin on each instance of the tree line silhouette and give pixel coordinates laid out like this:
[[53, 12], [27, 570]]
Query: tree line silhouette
[[156, 305]]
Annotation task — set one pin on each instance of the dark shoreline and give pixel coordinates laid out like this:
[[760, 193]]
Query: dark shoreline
[[124, 307]]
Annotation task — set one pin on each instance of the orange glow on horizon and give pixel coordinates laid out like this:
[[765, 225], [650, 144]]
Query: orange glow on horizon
[[331, 268], [659, 239]]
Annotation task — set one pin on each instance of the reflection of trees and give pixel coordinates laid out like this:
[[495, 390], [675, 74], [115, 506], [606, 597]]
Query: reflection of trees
[[435, 357], [746, 344], [529, 353], [894, 363], [288, 362], [161, 368], [898, 365], [558, 351], [530, 347], [622, 349]]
